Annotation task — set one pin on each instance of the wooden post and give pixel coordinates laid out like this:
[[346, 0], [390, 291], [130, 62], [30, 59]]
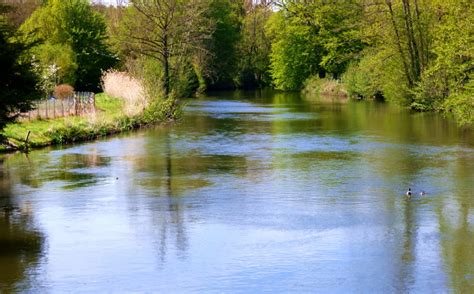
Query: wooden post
[[26, 141], [75, 103]]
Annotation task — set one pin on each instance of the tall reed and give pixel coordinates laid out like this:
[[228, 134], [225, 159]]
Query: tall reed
[[130, 90]]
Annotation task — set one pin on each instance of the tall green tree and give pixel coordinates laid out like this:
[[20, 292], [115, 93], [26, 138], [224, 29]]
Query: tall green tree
[[450, 78], [17, 82], [255, 48], [296, 51], [75, 24], [313, 37], [222, 64], [172, 32]]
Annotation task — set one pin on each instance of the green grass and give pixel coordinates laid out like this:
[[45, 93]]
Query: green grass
[[108, 119]]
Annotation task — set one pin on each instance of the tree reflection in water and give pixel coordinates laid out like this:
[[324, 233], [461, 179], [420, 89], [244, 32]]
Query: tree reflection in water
[[174, 213], [21, 243], [456, 218]]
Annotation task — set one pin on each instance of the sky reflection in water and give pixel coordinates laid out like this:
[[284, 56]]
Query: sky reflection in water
[[250, 193]]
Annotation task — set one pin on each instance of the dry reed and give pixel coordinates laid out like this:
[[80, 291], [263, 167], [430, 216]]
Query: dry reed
[[129, 89]]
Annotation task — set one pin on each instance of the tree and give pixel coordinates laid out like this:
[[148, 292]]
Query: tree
[[296, 51], [410, 37], [75, 24], [17, 82], [313, 37], [59, 55], [255, 48], [171, 32], [223, 61], [20, 10], [448, 83], [340, 34]]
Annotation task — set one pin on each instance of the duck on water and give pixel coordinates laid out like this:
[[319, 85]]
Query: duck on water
[[409, 192]]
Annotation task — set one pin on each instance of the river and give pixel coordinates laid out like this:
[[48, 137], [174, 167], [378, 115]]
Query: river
[[251, 192]]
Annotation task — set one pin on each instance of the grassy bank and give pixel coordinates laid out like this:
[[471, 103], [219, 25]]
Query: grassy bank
[[110, 118]]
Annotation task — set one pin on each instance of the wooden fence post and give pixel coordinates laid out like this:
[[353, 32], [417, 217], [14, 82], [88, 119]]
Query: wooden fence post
[[26, 141]]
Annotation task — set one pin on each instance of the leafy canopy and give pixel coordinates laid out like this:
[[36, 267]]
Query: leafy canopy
[[17, 82], [74, 24]]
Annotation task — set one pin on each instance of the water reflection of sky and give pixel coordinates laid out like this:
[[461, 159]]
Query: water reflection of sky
[[244, 197]]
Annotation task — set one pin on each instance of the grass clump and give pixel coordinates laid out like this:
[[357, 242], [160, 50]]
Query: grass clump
[[108, 119], [315, 86]]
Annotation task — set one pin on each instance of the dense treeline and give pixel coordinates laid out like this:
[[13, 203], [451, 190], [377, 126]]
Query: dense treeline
[[17, 81], [412, 52]]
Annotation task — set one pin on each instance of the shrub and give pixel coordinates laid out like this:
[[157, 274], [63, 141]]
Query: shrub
[[363, 78], [461, 104], [315, 86], [63, 91]]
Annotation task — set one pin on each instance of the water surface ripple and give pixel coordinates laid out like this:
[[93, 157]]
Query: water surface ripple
[[251, 192]]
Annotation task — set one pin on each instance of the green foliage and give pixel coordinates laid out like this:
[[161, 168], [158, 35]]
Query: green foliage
[[163, 110], [254, 49], [422, 52], [60, 55], [447, 83], [340, 34], [295, 54], [73, 24], [313, 38], [363, 78], [461, 104], [17, 82], [222, 66], [175, 38]]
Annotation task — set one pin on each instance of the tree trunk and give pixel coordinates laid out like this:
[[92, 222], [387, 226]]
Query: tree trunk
[[166, 68], [413, 46], [399, 45], [423, 50]]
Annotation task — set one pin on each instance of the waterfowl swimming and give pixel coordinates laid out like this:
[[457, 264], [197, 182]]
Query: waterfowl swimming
[[422, 193], [408, 193]]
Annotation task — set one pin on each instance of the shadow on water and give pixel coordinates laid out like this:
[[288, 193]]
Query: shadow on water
[[405, 275], [70, 170], [21, 243], [174, 215], [456, 219]]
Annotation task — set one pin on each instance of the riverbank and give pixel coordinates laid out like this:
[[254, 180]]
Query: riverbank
[[109, 118], [460, 109]]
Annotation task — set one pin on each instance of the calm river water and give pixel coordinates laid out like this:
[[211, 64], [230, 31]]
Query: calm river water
[[251, 192]]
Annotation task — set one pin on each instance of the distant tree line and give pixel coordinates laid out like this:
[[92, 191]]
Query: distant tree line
[[416, 53]]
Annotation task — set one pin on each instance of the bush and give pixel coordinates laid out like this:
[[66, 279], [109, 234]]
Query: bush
[[63, 91], [315, 86], [363, 79], [461, 104], [163, 110]]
